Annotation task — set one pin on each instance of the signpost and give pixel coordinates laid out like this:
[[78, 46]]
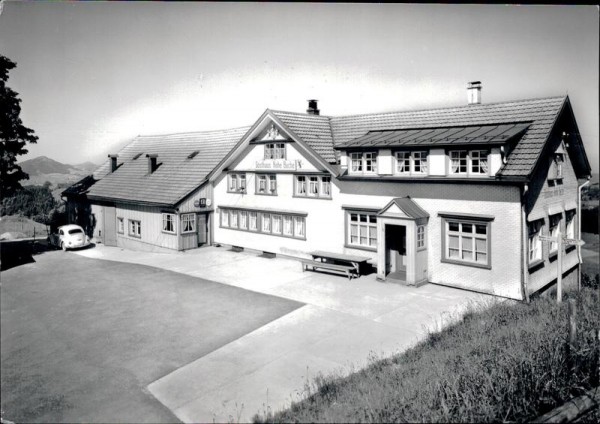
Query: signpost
[[560, 241]]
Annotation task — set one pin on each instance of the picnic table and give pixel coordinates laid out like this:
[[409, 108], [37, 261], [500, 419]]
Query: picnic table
[[349, 264]]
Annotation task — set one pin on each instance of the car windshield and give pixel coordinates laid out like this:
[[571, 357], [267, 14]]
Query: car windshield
[[75, 231]]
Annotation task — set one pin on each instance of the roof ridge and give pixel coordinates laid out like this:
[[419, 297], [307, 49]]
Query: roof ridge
[[194, 132], [451, 107], [302, 114]]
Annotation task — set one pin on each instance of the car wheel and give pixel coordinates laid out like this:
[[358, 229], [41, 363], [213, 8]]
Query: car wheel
[[63, 247]]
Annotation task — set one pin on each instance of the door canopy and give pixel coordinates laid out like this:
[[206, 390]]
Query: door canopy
[[404, 207]]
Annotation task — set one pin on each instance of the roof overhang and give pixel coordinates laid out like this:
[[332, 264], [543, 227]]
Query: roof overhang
[[465, 135]]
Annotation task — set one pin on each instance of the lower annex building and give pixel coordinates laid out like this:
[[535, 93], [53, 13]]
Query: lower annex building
[[455, 196]]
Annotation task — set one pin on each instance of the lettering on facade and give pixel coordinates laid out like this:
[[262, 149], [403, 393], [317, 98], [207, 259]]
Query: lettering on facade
[[554, 193], [291, 165]]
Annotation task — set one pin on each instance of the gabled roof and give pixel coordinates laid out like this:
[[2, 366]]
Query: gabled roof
[[313, 129], [80, 187], [177, 174], [542, 113], [407, 206]]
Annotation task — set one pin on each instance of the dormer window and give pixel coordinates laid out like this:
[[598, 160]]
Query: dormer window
[[411, 163], [363, 162], [472, 162], [275, 151]]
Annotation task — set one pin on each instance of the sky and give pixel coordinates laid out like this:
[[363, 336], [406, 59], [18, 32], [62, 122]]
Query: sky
[[93, 75]]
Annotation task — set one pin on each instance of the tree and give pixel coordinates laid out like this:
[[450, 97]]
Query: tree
[[13, 134]]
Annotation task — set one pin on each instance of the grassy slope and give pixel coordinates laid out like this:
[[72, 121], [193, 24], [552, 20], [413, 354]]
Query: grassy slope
[[20, 224], [508, 362]]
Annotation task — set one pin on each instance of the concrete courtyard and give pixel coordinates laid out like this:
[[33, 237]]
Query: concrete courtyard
[[341, 325]]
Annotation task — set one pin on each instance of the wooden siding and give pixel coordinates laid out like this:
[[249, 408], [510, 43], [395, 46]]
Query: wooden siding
[[188, 241], [151, 226], [205, 191]]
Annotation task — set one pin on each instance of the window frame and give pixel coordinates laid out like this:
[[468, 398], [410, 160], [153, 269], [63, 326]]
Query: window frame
[[363, 160], [470, 162], [275, 149], [132, 228], [534, 244], [368, 224], [185, 219], [120, 225], [269, 181], [475, 221], [421, 237], [570, 215], [308, 182], [554, 224], [410, 158], [166, 221], [266, 222], [240, 182]]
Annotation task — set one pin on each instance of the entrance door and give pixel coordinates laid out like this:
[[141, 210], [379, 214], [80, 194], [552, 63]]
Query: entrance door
[[395, 252], [110, 226], [202, 229]]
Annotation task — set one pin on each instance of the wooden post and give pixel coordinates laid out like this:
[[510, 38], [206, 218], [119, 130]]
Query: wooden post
[[559, 270]]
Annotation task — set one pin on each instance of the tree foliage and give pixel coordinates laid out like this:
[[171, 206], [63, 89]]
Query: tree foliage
[[13, 134], [35, 202]]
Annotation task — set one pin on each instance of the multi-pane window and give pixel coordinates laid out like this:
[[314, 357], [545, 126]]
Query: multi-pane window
[[554, 230], [558, 165], [313, 186], [135, 228], [266, 184], [168, 222], [467, 242], [362, 229], [120, 225], [570, 221], [408, 163], [264, 222], [458, 162], [535, 244], [363, 162], [252, 221], [479, 163], [237, 182], [420, 237], [275, 151], [188, 223], [474, 162]]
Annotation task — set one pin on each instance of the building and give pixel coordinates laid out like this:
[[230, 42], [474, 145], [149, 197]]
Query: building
[[457, 196]]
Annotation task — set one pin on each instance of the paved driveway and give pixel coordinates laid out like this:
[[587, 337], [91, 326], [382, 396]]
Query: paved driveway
[[82, 338], [341, 324]]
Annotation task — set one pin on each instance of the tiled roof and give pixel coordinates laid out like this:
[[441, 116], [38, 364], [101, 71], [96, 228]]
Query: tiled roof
[[541, 112], [313, 129], [176, 176], [408, 206]]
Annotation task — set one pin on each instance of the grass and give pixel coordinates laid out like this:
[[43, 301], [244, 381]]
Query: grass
[[22, 227], [509, 362]]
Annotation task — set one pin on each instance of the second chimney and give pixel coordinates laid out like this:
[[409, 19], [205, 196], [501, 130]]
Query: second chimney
[[312, 107], [474, 92], [152, 165], [113, 162]]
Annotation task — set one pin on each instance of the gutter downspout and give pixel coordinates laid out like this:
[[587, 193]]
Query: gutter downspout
[[524, 245], [579, 232]]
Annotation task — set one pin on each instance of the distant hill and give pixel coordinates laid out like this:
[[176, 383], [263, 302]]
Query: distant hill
[[42, 169]]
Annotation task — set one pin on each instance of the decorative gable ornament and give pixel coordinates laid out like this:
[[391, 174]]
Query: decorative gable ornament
[[272, 134]]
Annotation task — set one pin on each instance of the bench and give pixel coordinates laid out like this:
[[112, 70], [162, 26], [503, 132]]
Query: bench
[[349, 270]]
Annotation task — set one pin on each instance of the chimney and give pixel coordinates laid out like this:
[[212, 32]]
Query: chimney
[[113, 162], [152, 165], [474, 92], [312, 107]]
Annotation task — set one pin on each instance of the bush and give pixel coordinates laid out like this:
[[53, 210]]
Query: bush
[[30, 201], [510, 362], [589, 281]]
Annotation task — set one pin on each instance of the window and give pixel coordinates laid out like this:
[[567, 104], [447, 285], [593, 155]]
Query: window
[[458, 162], [558, 165], [252, 221], [421, 237], [243, 220], [554, 230], [288, 229], [362, 229], [411, 163], [474, 162], [313, 186], [479, 163], [363, 162], [570, 220], [224, 218], [237, 183], [188, 223], [120, 225], [233, 218], [168, 223], [266, 222], [266, 184], [299, 227], [535, 244], [275, 151], [135, 228], [467, 242], [276, 224]]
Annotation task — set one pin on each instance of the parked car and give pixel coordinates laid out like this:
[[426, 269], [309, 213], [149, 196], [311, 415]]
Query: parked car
[[69, 237]]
